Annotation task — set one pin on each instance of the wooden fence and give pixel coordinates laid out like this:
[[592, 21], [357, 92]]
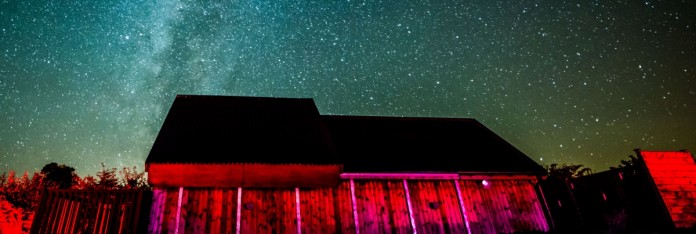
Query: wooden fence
[[91, 211], [355, 206]]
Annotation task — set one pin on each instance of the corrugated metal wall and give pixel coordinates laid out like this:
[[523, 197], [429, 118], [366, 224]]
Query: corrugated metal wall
[[375, 206]]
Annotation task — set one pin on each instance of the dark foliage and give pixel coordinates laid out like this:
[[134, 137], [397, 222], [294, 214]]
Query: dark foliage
[[60, 176], [132, 179], [24, 192], [565, 171], [628, 167], [107, 178], [21, 192]]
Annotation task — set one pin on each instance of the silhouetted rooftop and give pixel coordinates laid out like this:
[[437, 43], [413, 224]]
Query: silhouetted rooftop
[[225, 129], [395, 144]]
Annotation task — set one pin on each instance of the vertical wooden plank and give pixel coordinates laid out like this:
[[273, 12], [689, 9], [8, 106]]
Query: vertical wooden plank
[[298, 215], [450, 208], [184, 211], [479, 216], [231, 213], [317, 207], [204, 209], [224, 211], [368, 199], [238, 227], [61, 214], [516, 206], [354, 206], [535, 207], [268, 211], [66, 214], [74, 210], [180, 198], [55, 207], [170, 208], [382, 206], [38, 217], [53, 215], [99, 206], [329, 225], [286, 215], [190, 209], [492, 203], [410, 207], [427, 219], [199, 211], [215, 206], [542, 223], [229, 218], [527, 206], [291, 211], [371, 219], [156, 211], [462, 206], [398, 207], [503, 207], [344, 208]]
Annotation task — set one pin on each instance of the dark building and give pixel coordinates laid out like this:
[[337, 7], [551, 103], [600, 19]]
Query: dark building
[[225, 164], [654, 192]]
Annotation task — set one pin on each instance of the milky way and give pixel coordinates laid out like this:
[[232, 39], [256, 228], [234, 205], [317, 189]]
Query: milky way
[[86, 82]]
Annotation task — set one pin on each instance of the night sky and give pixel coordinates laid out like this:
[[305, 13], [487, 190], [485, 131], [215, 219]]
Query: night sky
[[84, 82]]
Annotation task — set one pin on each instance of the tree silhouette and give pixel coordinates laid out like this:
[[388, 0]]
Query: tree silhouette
[[60, 176], [22, 192], [565, 171], [628, 167], [87, 182], [107, 178], [132, 179]]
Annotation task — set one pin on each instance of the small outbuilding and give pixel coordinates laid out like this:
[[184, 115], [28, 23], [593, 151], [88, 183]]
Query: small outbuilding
[[224, 164]]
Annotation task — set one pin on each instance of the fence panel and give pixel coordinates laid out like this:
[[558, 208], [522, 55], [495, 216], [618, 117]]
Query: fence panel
[[91, 211]]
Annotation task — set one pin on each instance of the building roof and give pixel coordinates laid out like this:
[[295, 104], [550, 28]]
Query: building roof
[[404, 144], [224, 129]]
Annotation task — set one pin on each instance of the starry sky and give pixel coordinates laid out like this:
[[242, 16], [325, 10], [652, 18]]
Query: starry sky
[[84, 82]]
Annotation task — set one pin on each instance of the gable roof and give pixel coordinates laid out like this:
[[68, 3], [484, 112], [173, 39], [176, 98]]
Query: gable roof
[[404, 144], [227, 129]]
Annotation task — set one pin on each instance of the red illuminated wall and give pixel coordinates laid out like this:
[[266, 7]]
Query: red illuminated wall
[[374, 205], [203, 211], [503, 206], [674, 174]]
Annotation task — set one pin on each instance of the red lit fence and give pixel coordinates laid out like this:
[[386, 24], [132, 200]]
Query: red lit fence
[[82, 211], [355, 206]]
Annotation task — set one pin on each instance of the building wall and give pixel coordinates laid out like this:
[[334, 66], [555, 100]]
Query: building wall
[[504, 206], [373, 206], [674, 174]]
